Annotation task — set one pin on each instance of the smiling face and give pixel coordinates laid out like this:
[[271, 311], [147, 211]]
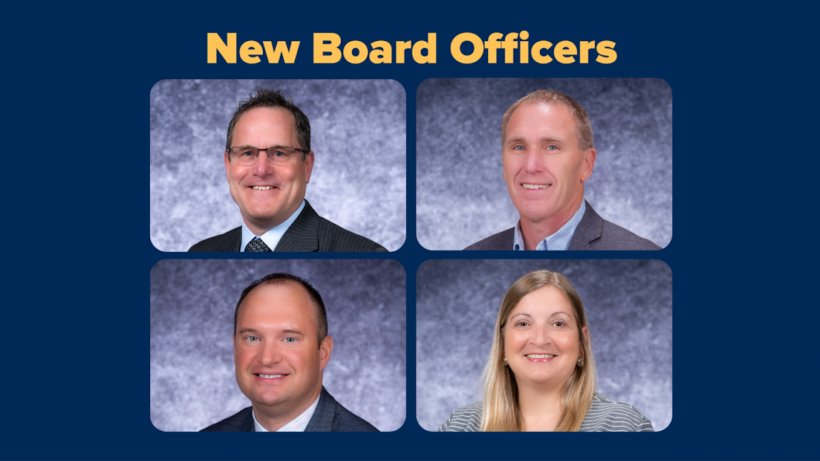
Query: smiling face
[[267, 194], [278, 356], [542, 339], [544, 165]]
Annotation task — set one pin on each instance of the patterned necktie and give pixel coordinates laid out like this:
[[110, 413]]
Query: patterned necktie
[[256, 246]]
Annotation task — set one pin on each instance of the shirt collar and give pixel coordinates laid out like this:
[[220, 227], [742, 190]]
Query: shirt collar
[[297, 424], [559, 240], [272, 236]]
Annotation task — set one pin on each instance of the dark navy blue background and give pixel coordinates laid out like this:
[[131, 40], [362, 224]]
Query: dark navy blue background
[[76, 340]]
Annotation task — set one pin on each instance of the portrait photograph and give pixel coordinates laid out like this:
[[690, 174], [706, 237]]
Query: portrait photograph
[[200, 358], [348, 169], [612, 154], [627, 333]]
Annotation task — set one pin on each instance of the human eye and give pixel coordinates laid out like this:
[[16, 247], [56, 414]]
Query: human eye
[[244, 152], [521, 323], [290, 339], [518, 147], [561, 323], [280, 154], [251, 339], [553, 148]]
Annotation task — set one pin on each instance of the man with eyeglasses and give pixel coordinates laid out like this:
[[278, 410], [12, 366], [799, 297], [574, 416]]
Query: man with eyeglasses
[[268, 162]]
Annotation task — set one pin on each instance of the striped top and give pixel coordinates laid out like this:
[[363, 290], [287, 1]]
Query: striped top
[[603, 416]]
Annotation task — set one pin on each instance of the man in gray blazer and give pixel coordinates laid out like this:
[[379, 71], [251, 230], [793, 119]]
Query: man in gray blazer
[[268, 162], [547, 155], [281, 348]]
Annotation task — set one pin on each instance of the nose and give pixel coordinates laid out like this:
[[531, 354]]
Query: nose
[[270, 354], [533, 161], [541, 336], [262, 166]]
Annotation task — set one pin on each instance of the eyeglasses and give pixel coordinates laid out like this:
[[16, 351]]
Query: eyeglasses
[[247, 155]]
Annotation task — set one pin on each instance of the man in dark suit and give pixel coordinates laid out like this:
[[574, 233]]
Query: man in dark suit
[[547, 156], [268, 163], [281, 348]]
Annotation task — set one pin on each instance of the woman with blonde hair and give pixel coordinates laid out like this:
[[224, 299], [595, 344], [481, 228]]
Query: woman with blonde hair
[[541, 374]]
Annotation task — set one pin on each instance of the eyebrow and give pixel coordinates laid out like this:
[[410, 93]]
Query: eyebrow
[[525, 314], [520, 314], [287, 331], [275, 146], [539, 141], [293, 332]]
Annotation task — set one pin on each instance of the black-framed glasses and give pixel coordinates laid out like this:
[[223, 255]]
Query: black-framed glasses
[[247, 155]]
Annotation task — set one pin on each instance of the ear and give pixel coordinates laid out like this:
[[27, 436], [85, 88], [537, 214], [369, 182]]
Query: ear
[[308, 166], [589, 162], [325, 349], [585, 338]]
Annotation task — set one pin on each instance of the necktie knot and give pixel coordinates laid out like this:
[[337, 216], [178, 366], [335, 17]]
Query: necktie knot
[[257, 246]]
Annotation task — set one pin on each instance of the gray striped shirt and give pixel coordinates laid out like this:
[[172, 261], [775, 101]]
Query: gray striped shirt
[[603, 416]]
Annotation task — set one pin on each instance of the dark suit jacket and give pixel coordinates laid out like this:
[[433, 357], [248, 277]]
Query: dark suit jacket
[[309, 232], [330, 416], [592, 233]]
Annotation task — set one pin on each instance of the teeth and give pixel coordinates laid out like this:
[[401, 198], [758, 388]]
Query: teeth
[[540, 356], [534, 186], [261, 375], [262, 187]]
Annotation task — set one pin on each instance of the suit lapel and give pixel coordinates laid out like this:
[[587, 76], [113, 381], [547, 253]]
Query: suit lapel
[[322, 419], [589, 230], [234, 242], [243, 421], [303, 234], [504, 240]]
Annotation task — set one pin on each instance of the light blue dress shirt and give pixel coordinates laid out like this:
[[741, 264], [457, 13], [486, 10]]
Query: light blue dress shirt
[[557, 241], [273, 236]]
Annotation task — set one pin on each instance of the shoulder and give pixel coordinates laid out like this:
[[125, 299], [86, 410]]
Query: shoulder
[[596, 233], [609, 416], [346, 421], [240, 422], [311, 232], [464, 419], [500, 241], [333, 237], [229, 241], [618, 238], [332, 416]]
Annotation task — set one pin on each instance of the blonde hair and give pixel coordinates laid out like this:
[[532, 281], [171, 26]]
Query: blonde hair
[[582, 123], [501, 410]]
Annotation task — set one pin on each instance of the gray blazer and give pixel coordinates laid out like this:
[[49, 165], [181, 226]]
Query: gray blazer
[[604, 415], [592, 233], [330, 416], [309, 232]]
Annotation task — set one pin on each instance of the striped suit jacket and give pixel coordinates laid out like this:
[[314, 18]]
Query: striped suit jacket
[[309, 232], [603, 416], [330, 416]]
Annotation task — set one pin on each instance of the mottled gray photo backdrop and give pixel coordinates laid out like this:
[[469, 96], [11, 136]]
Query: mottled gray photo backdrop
[[629, 310], [192, 379], [358, 135], [461, 195]]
